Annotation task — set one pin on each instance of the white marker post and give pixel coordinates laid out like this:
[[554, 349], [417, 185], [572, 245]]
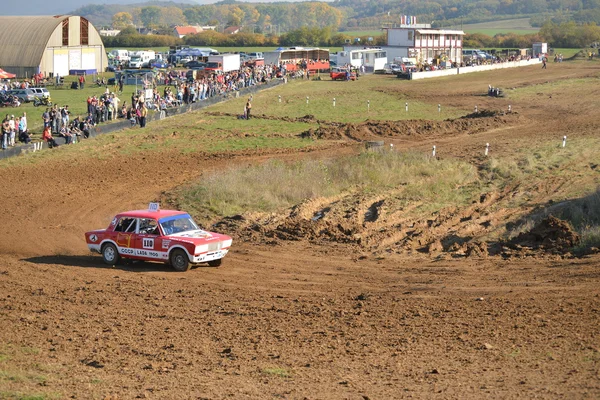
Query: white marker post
[[280, 98], [439, 108], [487, 148], [368, 105], [509, 108], [564, 141], [306, 99], [334, 101], [475, 108], [433, 152], [391, 146], [406, 106]]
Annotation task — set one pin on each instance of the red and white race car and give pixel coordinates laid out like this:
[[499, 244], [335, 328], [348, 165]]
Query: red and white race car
[[166, 236]]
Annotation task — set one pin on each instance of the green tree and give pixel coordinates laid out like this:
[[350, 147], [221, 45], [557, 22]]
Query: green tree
[[150, 16], [122, 20]]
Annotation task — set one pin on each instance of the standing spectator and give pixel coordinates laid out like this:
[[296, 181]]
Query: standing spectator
[[24, 135], [248, 109], [121, 81], [81, 81], [5, 132], [64, 113], [46, 117], [13, 129], [24, 122], [143, 115], [544, 60]]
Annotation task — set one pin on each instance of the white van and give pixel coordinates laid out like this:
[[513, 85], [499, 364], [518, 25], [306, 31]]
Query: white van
[[122, 56], [255, 56]]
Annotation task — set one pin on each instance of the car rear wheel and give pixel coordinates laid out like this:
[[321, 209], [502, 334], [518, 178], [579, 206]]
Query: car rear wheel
[[215, 263], [179, 260], [110, 255]]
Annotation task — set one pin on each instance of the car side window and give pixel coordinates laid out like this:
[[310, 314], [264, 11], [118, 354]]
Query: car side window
[[126, 224], [148, 226]]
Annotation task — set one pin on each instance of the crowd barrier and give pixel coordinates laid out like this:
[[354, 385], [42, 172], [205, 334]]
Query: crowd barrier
[[475, 68]]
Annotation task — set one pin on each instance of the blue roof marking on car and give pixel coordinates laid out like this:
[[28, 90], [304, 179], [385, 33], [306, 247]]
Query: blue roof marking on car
[[173, 217]]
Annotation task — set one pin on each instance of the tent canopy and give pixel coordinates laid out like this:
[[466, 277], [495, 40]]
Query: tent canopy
[[6, 75]]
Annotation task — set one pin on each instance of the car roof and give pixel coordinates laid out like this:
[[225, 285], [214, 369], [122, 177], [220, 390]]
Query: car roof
[[151, 214]]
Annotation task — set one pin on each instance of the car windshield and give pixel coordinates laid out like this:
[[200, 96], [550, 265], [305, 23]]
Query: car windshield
[[177, 224]]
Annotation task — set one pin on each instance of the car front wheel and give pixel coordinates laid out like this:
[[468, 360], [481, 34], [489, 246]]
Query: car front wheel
[[110, 255], [179, 260]]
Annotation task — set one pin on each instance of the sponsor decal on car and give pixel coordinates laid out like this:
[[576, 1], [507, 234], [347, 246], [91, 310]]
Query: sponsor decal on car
[[166, 244], [124, 240], [93, 238]]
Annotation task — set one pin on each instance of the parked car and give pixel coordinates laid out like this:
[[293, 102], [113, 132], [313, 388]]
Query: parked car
[[41, 92], [24, 95], [184, 60], [195, 64], [388, 69], [157, 63], [166, 236]]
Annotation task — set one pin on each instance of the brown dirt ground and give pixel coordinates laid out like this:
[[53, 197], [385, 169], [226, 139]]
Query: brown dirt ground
[[330, 313]]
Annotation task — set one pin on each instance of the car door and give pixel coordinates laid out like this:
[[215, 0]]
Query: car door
[[147, 241], [124, 235]]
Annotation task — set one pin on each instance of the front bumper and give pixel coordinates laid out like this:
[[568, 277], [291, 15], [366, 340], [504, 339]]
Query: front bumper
[[210, 256]]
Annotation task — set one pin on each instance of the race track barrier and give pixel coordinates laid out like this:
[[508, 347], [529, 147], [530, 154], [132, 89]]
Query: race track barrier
[[475, 68]]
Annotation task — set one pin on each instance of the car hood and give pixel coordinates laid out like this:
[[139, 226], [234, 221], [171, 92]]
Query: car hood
[[196, 236]]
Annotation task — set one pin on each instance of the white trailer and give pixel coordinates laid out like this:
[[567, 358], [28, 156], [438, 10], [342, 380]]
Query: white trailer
[[223, 62], [371, 59]]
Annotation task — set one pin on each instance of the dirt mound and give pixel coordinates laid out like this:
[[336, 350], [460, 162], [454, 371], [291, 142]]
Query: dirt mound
[[550, 234], [485, 114], [415, 129]]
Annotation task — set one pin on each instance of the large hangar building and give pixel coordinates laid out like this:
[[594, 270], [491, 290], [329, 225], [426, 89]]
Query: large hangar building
[[50, 45]]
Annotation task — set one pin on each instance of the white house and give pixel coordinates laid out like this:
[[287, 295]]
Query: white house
[[424, 44]]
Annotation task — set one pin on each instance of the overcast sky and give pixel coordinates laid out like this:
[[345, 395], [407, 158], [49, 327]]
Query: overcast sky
[[45, 7]]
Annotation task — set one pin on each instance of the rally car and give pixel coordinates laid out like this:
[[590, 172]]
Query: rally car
[[166, 236]]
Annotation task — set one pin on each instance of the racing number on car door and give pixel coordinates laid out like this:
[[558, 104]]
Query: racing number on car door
[[147, 240]]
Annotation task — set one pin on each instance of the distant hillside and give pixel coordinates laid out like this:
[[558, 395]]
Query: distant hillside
[[343, 15]]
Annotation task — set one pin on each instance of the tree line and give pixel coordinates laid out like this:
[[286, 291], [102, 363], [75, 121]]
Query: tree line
[[567, 34]]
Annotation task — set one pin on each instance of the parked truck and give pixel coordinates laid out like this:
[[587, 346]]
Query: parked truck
[[223, 62], [141, 59]]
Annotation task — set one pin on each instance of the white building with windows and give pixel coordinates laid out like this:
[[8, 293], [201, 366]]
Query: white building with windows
[[424, 44]]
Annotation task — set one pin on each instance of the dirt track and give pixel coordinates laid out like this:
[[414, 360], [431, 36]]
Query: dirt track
[[315, 319]]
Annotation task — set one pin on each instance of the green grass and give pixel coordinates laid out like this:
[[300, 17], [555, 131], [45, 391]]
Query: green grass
[[531, 92], [368, 33], [519, 26], [276, 185], [351, 101]]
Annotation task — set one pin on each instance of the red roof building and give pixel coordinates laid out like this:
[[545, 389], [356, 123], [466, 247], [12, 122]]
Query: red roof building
[[182, 31]]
